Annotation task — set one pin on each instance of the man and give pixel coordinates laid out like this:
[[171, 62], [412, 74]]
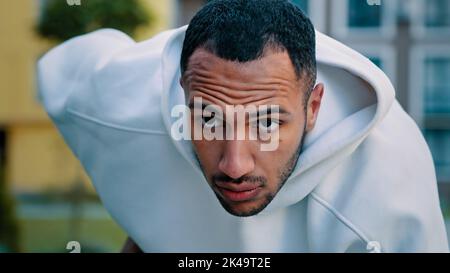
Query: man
[[348, 172]]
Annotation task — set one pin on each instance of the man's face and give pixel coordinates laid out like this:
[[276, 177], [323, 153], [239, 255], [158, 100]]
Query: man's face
[[244, 177]]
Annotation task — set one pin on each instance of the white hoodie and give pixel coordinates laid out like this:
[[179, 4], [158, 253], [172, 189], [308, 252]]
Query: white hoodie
[[364, 181]]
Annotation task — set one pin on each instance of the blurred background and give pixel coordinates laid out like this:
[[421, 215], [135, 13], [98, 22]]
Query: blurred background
[[46, 199]]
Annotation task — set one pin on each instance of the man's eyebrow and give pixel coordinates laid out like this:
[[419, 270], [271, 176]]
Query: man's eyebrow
[[269, 110], [273, 110], [192, 105]]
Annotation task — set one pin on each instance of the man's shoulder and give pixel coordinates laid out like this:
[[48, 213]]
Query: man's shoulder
[[397, 145], [386, 191], [107, 78]]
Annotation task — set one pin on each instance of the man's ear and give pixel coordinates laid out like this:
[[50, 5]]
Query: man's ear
[[181, 82], [313, 106]]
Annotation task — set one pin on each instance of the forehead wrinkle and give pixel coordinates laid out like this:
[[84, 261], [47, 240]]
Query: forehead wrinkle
[[214, 83], [226, 100], [221, 99], [206, 78], [234, 92], [233, 97], [227, 93]]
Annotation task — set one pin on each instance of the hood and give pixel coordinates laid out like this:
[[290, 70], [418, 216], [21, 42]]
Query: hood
[[357, 96]]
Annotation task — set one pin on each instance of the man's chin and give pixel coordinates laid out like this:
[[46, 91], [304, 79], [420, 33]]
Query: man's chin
[[245, 209]]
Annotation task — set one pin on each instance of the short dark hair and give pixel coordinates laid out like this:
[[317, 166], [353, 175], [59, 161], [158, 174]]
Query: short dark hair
[[240, 30]]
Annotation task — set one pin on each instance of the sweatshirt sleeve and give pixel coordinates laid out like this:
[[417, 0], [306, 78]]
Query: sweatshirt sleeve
[[68, 68]]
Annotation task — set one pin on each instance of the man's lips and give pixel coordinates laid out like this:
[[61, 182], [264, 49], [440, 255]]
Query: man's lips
[[238, 192], [237, 187]]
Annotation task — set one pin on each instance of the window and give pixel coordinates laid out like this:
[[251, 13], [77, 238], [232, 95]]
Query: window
[[363, 18], [437, 13], [437, 112], [430, 18], [439, 143], [303, 4], [362, 15], [437, 85], [430, 101]]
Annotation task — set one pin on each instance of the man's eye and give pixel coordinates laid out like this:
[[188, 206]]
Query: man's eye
[[268, 124], [210, 121]]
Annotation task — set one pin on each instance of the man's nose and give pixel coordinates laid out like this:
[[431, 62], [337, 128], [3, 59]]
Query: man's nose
[[236, 159]]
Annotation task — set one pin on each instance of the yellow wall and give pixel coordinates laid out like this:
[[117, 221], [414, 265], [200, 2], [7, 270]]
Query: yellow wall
[[19, 50], [37, 158], [163, 11]]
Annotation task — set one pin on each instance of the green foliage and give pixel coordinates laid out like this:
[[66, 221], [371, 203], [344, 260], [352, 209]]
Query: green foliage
[[52, 234], [8, 223], [60, 21]]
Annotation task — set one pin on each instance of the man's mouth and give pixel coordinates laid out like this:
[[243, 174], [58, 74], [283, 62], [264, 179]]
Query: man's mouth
[[238, 192]]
